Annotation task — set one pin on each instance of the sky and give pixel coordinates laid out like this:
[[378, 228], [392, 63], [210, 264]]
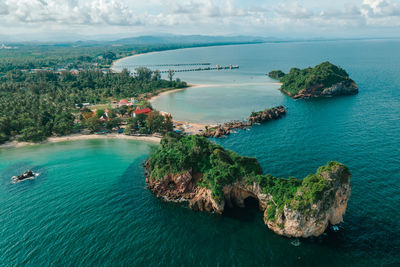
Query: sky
[[266, 18]]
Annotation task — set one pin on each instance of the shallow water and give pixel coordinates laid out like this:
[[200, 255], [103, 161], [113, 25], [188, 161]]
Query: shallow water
[[90, 206]]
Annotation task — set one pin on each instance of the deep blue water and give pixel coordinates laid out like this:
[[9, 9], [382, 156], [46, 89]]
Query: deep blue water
[[90, 205]]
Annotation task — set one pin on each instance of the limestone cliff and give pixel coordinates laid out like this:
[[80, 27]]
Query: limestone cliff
[[299, 216], [312, 219]]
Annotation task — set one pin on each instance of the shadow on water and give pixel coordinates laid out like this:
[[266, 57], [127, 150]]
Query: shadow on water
[[17, 169], [133, 177], [248, 213]]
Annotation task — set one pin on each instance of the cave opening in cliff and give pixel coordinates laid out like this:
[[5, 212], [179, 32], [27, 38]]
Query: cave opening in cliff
[[247, 213]]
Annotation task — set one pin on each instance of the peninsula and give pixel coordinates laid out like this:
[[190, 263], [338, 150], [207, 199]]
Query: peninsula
[[210, 178], [324, 80]]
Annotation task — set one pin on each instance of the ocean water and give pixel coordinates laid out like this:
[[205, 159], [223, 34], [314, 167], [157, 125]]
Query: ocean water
[[90, 206]]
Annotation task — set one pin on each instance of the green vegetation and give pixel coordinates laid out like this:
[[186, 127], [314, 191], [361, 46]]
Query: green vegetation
[[147, 124], [295, 193], [314, 79], [34, 106], [40, 84], [221, 167], [276, 74], [81, 55]]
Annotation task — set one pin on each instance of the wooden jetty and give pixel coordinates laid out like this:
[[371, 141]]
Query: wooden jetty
[[218, 67]]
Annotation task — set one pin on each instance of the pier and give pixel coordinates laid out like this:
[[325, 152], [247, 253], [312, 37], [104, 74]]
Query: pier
[[166, 65], [200, 67], [218, 67]]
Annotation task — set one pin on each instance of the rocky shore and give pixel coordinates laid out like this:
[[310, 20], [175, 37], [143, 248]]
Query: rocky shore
[[225, 129], [338, 89], [290, 221]]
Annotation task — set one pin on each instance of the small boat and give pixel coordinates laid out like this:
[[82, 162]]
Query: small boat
[[295, 243], [335, 228], [28, 175]]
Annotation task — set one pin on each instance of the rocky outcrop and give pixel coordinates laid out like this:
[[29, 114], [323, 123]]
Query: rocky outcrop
[[267, 115], [313, 220], [294, 220], [174, 187], [342, 88], [256, 117]]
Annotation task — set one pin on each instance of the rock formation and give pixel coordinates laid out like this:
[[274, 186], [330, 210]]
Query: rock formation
[[256, 117], [313, 220], [341, 88], [296, 218]]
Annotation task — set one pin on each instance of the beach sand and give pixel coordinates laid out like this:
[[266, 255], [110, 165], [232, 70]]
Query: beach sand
[[192, 86], [76, 137]]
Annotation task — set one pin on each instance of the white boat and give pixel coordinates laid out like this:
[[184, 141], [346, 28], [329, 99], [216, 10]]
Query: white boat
[[28, 175]]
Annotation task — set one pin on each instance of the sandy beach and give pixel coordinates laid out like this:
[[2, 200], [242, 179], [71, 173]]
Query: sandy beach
[[134, 55], [76, 137], [188, 127]]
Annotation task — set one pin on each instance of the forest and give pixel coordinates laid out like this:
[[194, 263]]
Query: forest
[[34, 106]]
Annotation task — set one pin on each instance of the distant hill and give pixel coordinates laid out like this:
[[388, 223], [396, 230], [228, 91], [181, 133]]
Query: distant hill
[[188, 39]]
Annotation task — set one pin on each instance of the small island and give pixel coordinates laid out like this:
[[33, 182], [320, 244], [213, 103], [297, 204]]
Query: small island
[[210, 178], [324, 80]]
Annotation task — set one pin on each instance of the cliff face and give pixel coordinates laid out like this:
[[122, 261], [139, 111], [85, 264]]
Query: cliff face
[[313, 220], [295, 220], [338, 89]]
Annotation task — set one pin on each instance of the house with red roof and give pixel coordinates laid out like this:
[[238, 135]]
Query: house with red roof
[[124, 102], [141, 111]]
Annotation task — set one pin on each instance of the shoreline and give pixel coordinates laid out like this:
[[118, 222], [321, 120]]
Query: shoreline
[[154, 97], [134, 55], [182, 48], [78, 137]]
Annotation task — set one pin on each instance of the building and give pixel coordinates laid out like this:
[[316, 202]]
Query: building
[[124, 102], [141, 111]]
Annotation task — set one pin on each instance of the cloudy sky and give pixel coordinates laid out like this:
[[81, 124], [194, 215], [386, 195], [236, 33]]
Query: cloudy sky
[[307, 18]]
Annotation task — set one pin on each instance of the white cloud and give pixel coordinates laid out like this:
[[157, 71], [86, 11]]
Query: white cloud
[[198, 16], [293, 10], [3, 8], [109, 12], [381, 13], [380, 8]]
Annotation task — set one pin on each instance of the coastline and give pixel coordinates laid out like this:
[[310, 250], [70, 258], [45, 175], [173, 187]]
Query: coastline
[[189, 127], [77, 137], [134, 55], [154, 97], [181, 48]]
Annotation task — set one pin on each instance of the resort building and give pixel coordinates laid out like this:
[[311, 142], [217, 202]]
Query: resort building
[[124, 102], [141, 111]]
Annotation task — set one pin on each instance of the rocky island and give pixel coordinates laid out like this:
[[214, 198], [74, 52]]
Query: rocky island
[[323, 80], [210, 178]]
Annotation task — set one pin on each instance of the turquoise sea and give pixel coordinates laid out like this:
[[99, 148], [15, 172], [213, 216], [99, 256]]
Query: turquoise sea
[[90, 206]]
